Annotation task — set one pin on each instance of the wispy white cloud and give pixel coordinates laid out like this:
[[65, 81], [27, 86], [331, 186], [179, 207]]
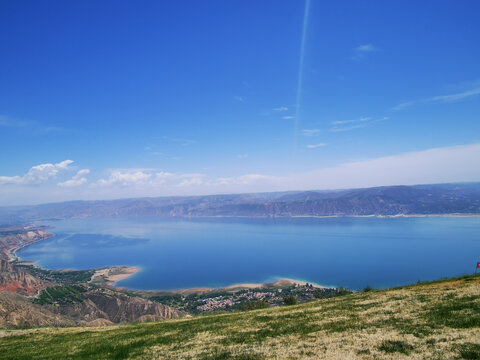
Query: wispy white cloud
[[191, 180], [288, 117], [441, 99], [365, 48], [163, 176], [247, 179], [455, 97], [346, 128], [347, 125], [239, 98], [311, 132], [437, 165], [360, 51], [281, 109], [24, 125], [37, 174], [447, 164], [343, 122], [52, 129], [125, 178], [9, 122], [315, 146], [181, 141], [149, 178], [77, 180]]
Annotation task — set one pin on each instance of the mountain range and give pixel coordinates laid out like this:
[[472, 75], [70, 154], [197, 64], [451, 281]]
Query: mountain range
[[437, 199]]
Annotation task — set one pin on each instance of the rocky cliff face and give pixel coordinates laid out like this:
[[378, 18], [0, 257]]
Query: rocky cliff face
[[17, 311], [96, 307], [14, 279], [110, 306]]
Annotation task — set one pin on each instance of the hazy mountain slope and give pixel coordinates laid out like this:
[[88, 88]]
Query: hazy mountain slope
[[439, 320], [388, 200]]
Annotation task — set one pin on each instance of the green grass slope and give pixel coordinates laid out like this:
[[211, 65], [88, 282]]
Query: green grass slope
[[438, 320]]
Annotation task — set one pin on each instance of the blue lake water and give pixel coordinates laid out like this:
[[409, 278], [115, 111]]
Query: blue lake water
[[350, 252]]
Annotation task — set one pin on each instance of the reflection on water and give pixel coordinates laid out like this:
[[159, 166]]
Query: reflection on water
[[351, 252]]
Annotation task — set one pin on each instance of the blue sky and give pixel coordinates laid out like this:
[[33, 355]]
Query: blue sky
[[108, 99]]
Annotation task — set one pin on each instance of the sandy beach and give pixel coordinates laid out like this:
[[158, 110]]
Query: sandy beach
[[109, 276]]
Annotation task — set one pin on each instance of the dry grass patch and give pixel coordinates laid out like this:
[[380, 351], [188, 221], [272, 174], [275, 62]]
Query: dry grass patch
[[440, 320]]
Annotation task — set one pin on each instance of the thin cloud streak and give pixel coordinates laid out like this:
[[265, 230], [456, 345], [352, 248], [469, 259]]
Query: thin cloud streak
[[354, 124], [31, 126], [316, 146], [346, 128], [311, 132], [360, 51], [440, 98], [8, 122], [300, 75], [239, 98], [343, 122]]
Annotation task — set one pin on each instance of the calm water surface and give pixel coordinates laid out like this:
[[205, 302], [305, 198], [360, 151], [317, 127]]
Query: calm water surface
[[350, 252]]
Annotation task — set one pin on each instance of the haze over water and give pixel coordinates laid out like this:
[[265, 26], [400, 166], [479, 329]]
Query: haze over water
[[350, 252]]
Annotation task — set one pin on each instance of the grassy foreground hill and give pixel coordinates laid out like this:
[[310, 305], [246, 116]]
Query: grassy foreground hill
[[436, 320]]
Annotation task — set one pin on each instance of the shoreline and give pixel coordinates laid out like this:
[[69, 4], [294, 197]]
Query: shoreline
[[12, 251], [109, 276], [452, 215], [278, 283]]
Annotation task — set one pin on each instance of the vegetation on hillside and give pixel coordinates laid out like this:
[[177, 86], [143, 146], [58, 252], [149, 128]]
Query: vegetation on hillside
[[58, 276], [60, 295], [438, 320]]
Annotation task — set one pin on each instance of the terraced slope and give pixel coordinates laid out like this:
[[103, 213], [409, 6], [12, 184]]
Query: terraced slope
[[439, 320]]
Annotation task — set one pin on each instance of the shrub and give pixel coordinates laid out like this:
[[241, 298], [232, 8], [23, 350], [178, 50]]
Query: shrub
[[392, 346], [343, 291], [469, 351], [290, 300], [253, 305]]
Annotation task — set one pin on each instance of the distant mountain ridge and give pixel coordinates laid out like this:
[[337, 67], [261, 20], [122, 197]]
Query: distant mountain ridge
[[463, 198]]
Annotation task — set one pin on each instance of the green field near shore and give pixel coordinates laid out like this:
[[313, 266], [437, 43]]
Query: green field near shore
[[437, 320]]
